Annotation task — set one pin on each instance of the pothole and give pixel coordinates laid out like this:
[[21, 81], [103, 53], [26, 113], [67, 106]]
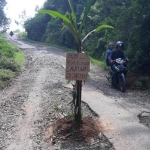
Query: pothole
[[144, 118]]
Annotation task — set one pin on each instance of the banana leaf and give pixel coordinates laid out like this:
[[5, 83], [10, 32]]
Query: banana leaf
[[85, 13], [103, 27]]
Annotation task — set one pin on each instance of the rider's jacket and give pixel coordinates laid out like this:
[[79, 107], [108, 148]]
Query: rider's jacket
[[116, 54]]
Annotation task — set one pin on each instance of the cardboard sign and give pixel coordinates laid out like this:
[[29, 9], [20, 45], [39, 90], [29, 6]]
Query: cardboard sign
[[77, 66]]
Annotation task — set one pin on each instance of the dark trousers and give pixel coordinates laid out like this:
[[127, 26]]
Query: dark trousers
[[113, 70]]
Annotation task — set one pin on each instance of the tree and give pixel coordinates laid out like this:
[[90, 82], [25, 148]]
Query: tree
[[52, 27], [36, 26], [70, 22], [3, 19]]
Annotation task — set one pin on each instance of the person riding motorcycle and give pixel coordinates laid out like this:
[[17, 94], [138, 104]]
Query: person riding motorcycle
[[115, 54], [11, 33]]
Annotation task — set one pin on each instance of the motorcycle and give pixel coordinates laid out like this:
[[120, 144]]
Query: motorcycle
[[119, 75], [11, 33]]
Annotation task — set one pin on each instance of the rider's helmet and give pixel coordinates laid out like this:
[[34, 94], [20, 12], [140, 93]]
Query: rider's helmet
[[120, 44]]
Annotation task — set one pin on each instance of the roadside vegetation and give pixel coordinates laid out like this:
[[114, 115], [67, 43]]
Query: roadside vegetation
[[11, 61], [11, 58], [23, 36]]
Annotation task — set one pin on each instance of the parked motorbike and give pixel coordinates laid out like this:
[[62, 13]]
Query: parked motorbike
[[119, 76]]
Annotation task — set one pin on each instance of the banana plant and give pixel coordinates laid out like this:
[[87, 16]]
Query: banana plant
[[70, 22]]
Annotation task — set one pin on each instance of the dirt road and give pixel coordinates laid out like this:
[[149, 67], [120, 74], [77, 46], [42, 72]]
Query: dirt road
[[27, 105]]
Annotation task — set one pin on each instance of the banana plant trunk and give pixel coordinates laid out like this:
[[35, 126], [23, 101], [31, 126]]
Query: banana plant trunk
[[78, 113]]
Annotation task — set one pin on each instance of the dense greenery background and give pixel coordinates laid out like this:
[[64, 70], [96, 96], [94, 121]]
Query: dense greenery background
[[130, 18]]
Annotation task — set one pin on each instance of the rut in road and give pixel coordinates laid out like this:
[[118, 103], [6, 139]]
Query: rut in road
[[31, 110]]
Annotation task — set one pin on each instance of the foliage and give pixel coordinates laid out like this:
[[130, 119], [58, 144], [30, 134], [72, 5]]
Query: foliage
[[5, 48], [143, 83], [23, 35], [131, 21], [8, 63], [52, 28], [3, 19], [5, 74], [36, 27], [99, 63], [19, 60], [11, 61]]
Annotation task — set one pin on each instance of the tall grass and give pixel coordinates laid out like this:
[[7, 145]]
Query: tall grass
[[99, 63], [19, 58]]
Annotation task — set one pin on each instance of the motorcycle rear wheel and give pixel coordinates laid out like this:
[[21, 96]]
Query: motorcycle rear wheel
[[122, 82]]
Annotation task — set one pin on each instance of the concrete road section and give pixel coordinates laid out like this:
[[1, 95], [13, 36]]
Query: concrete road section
[[120, 121]]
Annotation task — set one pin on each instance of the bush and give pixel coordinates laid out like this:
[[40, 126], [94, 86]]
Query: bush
[[9, 63], [6, 74], [6, 49], [143, 83], [23, 36]]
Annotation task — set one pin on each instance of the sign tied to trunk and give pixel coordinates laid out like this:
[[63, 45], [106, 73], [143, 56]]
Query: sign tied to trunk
[[77, 66]]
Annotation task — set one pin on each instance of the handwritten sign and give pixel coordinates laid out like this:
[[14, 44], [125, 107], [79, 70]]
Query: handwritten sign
[[77, 66]]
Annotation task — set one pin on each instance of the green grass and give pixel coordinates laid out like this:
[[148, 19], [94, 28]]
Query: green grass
[[11, 61], [99, 63], [19, 58]]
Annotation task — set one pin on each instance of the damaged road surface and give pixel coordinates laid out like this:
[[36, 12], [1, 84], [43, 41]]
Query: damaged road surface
[[27, 106]]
